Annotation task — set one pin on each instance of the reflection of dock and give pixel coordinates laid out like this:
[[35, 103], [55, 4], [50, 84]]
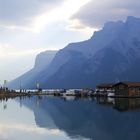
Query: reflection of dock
[[123, 104], [13, 95], [105, 101]]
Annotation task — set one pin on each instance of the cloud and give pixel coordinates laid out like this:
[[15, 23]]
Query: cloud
[[96, 13], [30, 26], [28, 128], [34, 15], [23, 12], [7, 130], [6, 50]]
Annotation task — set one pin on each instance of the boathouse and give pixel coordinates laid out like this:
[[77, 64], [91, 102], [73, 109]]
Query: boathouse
[[105, 87], [127, 88]]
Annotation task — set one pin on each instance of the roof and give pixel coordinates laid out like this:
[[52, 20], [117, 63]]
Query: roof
[[110, 85], [107, 85], [129, 84]]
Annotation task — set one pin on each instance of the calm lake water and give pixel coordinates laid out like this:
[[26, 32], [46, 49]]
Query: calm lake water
[[57, 118]]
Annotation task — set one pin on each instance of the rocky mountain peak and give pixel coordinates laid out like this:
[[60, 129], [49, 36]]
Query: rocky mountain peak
[[111, 53]]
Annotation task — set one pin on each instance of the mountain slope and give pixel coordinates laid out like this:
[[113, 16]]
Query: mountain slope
[[111, 54], [42, 62], [116, 57]]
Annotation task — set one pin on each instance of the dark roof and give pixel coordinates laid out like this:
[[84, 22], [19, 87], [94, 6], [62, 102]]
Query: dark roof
[[110, 85], [129, 84], [107, 85]]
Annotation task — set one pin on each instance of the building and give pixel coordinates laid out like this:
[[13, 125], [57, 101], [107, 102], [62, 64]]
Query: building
[[127, 88], [105, 87], [121, 88]]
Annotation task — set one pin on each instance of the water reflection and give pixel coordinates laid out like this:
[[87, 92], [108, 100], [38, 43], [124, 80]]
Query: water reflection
[[121, 104], [88, 118], [127, 104]]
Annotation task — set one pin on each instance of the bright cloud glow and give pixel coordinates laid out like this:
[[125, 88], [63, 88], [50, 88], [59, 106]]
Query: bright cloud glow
[[6, 50], [76, 25], [64, 12], [22, 41]]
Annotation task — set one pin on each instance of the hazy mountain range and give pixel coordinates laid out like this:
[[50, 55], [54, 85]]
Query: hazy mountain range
[[111, 54]]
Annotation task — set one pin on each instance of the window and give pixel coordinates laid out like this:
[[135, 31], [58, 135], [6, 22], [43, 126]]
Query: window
[[121, 87], [132, 88]]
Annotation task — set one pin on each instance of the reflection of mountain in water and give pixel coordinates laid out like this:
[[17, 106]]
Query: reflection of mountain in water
[[85, 118]]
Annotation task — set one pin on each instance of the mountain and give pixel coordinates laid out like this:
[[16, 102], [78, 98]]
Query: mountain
[[112, 53], [42, 62]]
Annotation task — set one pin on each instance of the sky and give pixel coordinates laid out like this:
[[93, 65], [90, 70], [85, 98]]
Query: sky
[[28, 27]]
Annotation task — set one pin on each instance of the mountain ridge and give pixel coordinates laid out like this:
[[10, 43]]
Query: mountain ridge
[[108, 55], [42, 62]]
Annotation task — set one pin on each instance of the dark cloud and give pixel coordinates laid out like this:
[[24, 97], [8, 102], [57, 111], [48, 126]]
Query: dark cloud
[[96, 12], [21, 12]]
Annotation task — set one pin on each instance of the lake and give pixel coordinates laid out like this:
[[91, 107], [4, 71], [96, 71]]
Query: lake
[[59, 118]]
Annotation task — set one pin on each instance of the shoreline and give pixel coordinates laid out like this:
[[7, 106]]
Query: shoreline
[[17, 94], [13, 95]]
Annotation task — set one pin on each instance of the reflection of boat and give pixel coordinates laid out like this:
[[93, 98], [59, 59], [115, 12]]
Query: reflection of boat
[[110, 94], [110, 100], [104, 101], [69, 98]]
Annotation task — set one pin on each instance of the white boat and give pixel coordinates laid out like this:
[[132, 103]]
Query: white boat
[[70, 92]]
